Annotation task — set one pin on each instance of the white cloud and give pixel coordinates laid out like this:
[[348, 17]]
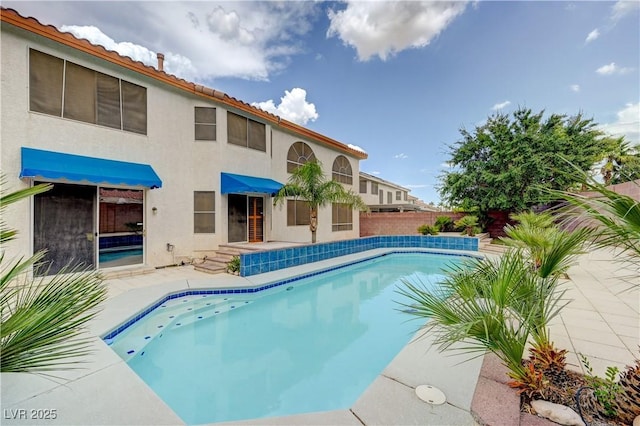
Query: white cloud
[[250, 40], [612, 68], [592, 36], [293, 106], [575, 88], [383, 28], [500, 105], [623, 8], [401, 156], [627, 124], [417, 186], [173, 63]]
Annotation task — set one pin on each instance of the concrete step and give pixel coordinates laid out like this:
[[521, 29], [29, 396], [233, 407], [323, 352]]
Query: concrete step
[[211, 266], [237, 249], [494, 248]]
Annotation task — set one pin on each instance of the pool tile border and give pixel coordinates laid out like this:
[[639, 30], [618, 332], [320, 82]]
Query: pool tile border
[[273, 260], [195, 292]]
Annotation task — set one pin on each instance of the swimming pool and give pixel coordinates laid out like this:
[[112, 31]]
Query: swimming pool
[[310, 345]]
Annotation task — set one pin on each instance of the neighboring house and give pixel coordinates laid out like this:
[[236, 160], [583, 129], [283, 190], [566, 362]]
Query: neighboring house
[[146, 167], [384, 196], [421, 205]]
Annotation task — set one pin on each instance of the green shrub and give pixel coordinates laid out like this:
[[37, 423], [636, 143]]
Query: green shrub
[[444, 223], [428, 229], [604, 389], [468, 225], [234, 264]]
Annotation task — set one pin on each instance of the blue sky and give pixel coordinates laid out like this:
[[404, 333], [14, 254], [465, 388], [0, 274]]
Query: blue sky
[[397, 79]]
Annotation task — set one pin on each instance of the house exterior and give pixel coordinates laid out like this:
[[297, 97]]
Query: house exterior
[[147, 169], [384, 196]]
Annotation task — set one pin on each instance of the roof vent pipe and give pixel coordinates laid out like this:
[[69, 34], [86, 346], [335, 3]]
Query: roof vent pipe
[[160, 62]]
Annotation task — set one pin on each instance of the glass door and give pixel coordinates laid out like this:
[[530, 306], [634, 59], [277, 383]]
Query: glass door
[[121, 227]]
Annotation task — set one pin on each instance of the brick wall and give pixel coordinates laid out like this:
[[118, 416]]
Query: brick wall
[[631, 189], [399, 223]]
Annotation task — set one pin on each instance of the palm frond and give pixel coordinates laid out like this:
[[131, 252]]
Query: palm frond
[[42, 319]]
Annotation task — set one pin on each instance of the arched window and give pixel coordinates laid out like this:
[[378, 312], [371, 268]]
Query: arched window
[[299, 153], [342, 170]]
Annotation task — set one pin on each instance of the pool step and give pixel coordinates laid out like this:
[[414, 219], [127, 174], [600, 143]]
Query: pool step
[[218, 262], [170, 315], [208, 312]]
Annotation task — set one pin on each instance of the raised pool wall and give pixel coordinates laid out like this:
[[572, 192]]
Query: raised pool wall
[[272, 260]]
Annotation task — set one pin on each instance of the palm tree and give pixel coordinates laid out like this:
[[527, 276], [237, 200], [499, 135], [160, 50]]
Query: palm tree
[[614, 218], [552, 250], [621, 162], [42, 319], [309, 183], [491, 304]]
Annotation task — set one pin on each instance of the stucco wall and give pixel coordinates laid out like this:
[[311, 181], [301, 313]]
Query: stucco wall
[[183, 164]]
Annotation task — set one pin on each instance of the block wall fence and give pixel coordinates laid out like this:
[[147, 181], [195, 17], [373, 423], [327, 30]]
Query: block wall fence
[[399, 223]]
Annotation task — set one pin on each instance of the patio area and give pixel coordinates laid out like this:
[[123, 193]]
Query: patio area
[[602, 322]]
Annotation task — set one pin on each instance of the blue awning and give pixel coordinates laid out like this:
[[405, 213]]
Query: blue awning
[[241, 184], [39, 164]]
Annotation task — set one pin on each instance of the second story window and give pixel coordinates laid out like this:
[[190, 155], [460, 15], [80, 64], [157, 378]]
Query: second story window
[[205, 122], [299, 153], [374, 188], [363, 186], [341, 171], [399, 195], [245, 132], [65, 89]]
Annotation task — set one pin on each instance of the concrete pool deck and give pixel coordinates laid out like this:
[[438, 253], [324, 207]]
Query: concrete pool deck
[[601, 322]]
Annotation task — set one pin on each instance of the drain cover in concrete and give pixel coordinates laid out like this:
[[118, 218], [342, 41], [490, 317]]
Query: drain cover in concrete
[[429, 394]]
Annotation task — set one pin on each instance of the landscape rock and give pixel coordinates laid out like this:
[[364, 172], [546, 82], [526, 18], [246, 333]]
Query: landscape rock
[[558, 413]]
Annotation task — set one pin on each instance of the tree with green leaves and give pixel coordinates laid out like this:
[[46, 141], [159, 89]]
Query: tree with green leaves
[[508, 162], [621, 162], [42, 319], [309, 183]]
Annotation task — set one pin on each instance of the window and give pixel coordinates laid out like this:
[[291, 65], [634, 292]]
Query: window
[[299, 153], [246, 132], [204, 212], [205, 122], [89, 96], [374, 188], [341, 217], [363, 186], [404, 195], [381, 197], [389, 197], [342, 170], [399, 195], [297, 213], [46, 76]]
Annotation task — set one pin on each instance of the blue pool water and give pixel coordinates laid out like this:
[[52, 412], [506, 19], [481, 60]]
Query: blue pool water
[[110, 256], [311, 345]]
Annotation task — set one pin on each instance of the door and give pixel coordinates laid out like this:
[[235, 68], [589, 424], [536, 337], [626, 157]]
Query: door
[[256, 219], [237, 218], [121, 227], [64, 219]]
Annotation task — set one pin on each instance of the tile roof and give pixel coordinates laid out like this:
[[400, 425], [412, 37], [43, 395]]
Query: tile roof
[[13, 17]]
